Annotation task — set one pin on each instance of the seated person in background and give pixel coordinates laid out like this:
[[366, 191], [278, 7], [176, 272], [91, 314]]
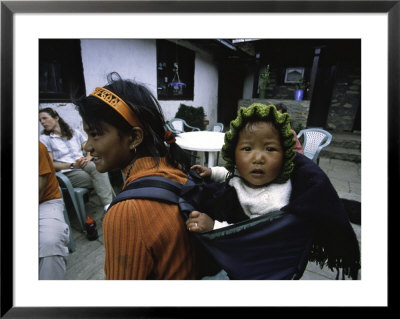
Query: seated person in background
[[264, 174], [298, 148], [65, 147], [53, 231]]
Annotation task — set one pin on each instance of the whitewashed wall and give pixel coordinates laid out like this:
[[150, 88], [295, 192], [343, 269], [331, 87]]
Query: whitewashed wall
[[137, 59], [132, 59]]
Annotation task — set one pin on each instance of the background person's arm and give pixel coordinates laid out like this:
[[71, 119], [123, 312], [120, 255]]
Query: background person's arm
[[42, 184]]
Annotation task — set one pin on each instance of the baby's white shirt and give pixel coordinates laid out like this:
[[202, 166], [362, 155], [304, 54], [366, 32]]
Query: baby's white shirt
[[254, 201]]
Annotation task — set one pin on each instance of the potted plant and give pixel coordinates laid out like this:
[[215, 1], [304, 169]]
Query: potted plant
[[264, 77], [194, 116], [301, 86]]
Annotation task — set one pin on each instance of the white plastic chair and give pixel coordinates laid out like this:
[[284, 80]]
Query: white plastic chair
[[177, 125], [315, 140], [217, 127]]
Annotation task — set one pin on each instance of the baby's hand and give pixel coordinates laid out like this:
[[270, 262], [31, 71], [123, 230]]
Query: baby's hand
[[202, 171], [199, 222]]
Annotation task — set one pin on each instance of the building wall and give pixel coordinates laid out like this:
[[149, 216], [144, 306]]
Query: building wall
[[137, 59], [132, 59]]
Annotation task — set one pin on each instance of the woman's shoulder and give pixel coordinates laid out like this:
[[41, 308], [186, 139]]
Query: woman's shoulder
[[145, 168], [141, 215], [43, 137], [76, 131], [78, 134], [125, 212]]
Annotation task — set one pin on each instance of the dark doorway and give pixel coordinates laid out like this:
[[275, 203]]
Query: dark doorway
[[231, 79]]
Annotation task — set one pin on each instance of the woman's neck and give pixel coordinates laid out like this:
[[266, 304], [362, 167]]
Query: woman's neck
[[57, 130]]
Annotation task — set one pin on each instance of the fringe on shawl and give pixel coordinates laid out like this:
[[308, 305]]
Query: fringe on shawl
[[350, 265], [314, 197]]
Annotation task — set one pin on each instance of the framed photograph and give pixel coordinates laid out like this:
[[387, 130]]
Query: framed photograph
[[24, 296], [294, 75]]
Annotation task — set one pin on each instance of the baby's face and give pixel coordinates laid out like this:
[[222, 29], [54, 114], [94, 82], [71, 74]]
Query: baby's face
[[259, 153]]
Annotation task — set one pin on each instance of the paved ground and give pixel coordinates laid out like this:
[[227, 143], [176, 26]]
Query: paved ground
[[345, 177], [87, 262]]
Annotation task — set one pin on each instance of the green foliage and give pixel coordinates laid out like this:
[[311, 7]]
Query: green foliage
[[194, 116], [303, 84], [264, 76]]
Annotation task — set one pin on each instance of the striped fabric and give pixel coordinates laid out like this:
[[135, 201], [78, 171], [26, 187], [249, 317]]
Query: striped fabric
[[147, 239]]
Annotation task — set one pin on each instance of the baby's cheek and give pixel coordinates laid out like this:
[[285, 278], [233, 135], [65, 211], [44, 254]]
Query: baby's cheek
[[241, 165]]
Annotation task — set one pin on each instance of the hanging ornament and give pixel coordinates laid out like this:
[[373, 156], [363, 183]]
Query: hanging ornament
[[176, 83]]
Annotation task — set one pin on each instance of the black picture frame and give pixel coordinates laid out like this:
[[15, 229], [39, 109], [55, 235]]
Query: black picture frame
[[9, 8]]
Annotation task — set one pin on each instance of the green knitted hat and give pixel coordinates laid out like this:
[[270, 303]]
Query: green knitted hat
[[260, 112]]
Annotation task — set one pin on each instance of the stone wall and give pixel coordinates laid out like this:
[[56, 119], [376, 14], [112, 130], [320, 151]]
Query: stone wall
[[346, 99], [297, 110]]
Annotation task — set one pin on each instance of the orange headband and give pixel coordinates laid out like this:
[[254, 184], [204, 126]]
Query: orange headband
[[117, 104]]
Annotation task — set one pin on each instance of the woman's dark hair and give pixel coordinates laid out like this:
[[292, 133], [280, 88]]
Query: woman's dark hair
[[66, 130], [146, 108]]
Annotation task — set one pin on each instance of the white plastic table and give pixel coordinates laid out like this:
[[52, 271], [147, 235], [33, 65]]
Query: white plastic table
[[202, 141]]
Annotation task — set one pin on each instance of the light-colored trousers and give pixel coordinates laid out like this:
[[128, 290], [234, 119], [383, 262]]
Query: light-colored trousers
[[53, 240], [89, 177]]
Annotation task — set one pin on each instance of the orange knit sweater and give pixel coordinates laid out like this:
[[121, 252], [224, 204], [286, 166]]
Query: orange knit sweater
[[147, 239]]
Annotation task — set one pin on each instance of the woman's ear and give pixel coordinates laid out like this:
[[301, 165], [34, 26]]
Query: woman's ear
[[136, 137]]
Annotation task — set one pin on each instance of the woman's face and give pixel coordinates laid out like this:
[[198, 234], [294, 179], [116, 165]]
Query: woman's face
[[259, 154], [48, 122], [109, 149]]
